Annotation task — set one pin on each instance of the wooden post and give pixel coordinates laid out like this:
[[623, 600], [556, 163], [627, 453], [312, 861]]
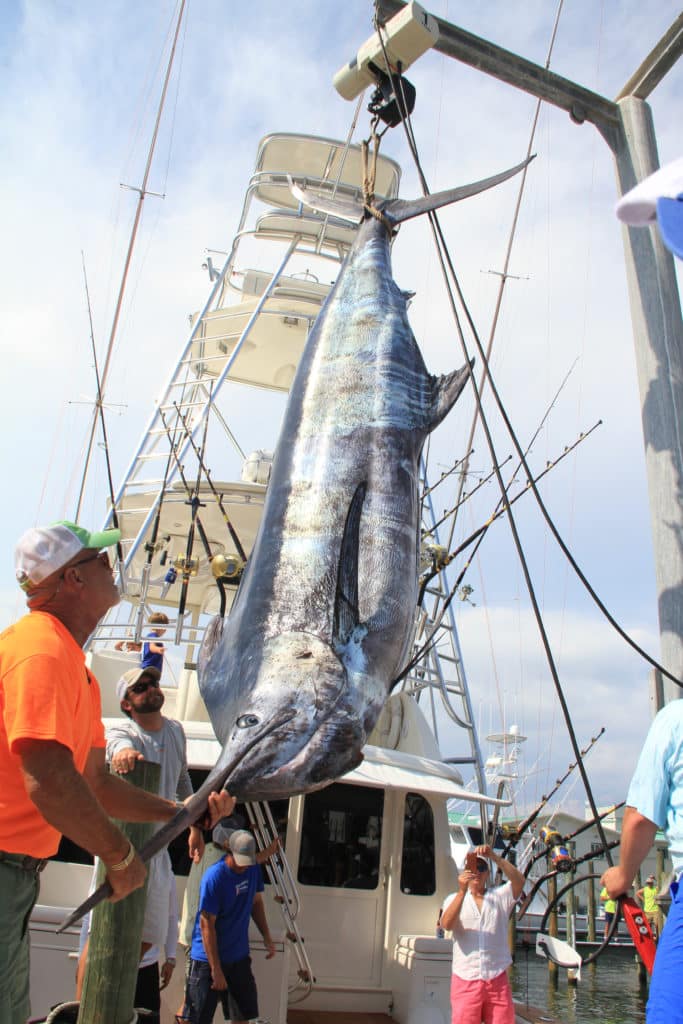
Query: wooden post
[[658, 337], [665, 903], [571, 912], [590, 905], [512, 920], [114, 949], [552, 921], [512, 932]]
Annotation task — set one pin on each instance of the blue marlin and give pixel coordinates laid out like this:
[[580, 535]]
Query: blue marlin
[[295, 679], [322, 622]]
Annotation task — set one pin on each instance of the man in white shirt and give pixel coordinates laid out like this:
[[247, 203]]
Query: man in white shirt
[[480, 990]]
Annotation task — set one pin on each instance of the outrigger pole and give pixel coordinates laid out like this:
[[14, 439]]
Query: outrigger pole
[[142, 193], [627, 126]]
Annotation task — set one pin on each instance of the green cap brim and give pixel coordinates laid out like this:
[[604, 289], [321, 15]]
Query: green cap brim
[[100, 539]]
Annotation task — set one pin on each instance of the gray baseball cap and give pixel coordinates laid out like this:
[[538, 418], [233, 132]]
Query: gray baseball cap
[[243, 848]]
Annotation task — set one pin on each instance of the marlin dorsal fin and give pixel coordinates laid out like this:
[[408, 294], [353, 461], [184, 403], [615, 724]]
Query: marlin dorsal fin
[[346, 616], [445, 392]]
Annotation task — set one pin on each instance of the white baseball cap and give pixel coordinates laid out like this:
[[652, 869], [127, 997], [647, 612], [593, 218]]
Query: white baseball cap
[[43, 550]]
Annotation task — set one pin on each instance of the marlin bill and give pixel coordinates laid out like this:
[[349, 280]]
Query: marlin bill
[[323, 620]]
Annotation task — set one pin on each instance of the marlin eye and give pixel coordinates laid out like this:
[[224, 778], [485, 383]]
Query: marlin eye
[[247, 721]]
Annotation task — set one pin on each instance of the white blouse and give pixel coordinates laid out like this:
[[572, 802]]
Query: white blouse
[[480, 939]]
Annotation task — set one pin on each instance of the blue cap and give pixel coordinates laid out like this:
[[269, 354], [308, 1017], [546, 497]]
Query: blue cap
[[658, 198], [670, 220]]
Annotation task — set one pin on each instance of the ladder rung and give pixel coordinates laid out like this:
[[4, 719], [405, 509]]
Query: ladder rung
[[184, 406]]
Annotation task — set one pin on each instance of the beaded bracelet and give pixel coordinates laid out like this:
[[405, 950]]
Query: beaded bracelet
[[123, 864]]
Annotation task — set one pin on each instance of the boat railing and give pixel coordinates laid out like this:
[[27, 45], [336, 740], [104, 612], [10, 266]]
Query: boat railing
[[286, 895]]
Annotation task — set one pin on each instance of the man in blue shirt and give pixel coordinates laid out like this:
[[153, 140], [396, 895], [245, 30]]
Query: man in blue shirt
[[655, 801], [220, 965]]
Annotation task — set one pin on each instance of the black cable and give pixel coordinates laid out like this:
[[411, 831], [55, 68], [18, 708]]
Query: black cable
[[444, 258]]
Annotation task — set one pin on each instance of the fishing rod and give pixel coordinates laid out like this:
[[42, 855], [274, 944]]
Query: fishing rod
[[443, 561], [187, 562], [501, 511], [151, 544], [466, 495], [529, 820], [556, 849], [444, 476], [219, 498], [195, 504], [142, 194], [587, 825], [99, 408], [200, 527]]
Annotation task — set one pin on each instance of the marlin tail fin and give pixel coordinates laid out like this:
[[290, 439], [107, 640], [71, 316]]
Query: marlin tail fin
[[398, 210]]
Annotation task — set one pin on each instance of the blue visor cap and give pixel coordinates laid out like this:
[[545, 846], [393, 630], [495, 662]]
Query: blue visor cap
[[670, 221]]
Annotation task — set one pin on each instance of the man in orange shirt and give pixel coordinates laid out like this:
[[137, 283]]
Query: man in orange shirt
[[53, 778]]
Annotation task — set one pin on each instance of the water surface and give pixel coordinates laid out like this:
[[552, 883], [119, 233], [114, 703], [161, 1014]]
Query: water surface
[[609, 991]]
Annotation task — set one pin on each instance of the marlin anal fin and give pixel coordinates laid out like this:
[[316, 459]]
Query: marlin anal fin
[[445, 392], [346, 616], [398, 210], [343, 208]]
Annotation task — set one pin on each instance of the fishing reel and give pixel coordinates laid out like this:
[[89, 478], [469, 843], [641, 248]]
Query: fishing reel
[[434, 556], [228, 568], [187, 566], [559, 855]]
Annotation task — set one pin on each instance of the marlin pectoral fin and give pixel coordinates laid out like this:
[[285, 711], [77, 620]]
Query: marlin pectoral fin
[[346, 209], [398, 210], [445, 392], [346, 598]]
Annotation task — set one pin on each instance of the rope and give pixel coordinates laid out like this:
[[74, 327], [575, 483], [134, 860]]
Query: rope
[[369, 178]]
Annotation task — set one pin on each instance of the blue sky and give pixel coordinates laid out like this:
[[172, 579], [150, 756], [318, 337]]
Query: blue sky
[[79, 89]]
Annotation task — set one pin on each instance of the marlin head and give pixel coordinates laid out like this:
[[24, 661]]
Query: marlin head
[[299, 679]]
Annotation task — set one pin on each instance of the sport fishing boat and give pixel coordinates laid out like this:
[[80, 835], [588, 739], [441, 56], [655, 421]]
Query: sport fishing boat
[[366, 861]]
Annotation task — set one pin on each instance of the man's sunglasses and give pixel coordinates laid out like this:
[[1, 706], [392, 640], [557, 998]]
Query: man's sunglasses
[[102, 555], [143, 685], [481, 868]]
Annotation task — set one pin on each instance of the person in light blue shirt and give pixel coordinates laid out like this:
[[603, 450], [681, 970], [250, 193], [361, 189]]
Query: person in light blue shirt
[[655, 801]]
